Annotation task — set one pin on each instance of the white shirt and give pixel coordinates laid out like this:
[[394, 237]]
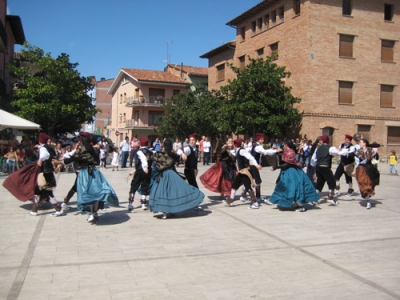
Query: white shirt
[[245, 153], [260, 149], [143, 159], [43, 153], [207, 146], [125, 146]]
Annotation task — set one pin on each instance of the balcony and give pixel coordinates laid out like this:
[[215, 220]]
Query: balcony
[[142, 101], [133, 124]]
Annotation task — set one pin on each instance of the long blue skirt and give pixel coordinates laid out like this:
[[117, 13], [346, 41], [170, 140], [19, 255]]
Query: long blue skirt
[[293, 185], [171, 194], [92, 188]]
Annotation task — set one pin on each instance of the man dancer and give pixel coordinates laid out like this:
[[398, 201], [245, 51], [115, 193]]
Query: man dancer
[[323, 168], [243, 159], [258, 151], [345, 160], [46, 154], [142, 174], [191, 160]]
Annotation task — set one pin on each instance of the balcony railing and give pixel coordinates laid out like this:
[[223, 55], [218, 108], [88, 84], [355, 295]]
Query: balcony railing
[[151, 100]]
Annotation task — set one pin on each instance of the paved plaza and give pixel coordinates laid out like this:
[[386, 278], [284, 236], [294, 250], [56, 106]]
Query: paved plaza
[[327, 252]]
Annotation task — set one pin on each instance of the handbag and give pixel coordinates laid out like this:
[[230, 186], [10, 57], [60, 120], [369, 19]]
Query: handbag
[[41, 181], [348, 169]]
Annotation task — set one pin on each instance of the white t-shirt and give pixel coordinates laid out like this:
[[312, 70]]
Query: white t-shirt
[[206, 146]]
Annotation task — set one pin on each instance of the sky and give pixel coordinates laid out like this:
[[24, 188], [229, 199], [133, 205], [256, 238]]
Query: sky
[[104, 36]]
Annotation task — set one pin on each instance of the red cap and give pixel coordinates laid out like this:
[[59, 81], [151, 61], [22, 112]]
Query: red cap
[[194, 135], [238, 142], [43, 138], [144, 142], [259, 136], [325, 139], [348, 136]]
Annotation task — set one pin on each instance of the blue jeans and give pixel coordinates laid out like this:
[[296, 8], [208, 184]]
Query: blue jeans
[[11, 165], [124, 158]]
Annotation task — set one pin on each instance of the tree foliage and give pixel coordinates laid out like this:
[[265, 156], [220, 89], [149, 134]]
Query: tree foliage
[[259, 101], [51, 92], [196, 111]]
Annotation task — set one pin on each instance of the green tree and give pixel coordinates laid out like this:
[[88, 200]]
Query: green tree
[[257, 101], [197, 111], [51, 92]]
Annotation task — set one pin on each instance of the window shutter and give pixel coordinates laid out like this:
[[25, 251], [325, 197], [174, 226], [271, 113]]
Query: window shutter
[[386, 95], [346, 45], [393, 135], [345, 92], [387, 50]]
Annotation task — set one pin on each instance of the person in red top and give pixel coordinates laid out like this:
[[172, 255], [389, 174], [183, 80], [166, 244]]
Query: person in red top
[[201, 149]]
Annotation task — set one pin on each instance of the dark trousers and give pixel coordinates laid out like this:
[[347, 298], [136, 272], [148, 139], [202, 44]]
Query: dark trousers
[[191, 177], [124, 158], [324, 174], [241, 179], [206, 158], [340, 171], [256, 174], [132, 156], [142, 180]]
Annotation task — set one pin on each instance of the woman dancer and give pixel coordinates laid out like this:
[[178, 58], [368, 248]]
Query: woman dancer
[[219, 177], [169, 193], [367, 175], [292, 186], [91, 186]]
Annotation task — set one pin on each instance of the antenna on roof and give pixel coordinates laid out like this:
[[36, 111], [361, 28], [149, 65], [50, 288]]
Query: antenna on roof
[[168, 55]]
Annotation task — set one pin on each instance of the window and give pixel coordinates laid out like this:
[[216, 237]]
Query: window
[[266, 21], [346, 7], [221, 72], [136, 118], [253, 27], [260, 52], [242, 62], [281, 13], [387, 50], [296, 7], [387, 95], [156, 96], [124, 120], [136, 93], [346, 45], [345, 92], [365, 131], [393, 135], [176, 92], [273, 18], [154, 118], [274, 50], [242, 33], [120, 99], [388, 11], [259, 24], [124, 97]]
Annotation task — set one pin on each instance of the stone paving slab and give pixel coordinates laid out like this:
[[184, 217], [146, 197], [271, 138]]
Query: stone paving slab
[[328, 252]]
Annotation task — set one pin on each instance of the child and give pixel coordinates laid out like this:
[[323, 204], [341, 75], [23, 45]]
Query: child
[[103, 156], [393, 162], [115, 159]]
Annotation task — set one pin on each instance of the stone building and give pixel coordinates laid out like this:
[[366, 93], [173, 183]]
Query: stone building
[[342, 55]]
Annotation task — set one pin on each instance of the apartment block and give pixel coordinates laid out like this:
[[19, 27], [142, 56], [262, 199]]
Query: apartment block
[[343, 56]]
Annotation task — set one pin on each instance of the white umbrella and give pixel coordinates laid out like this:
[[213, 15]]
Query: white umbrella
[[8, 120]]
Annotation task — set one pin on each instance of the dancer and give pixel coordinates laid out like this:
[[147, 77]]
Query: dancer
[[345, 166], [219, 177], [292, 186], [243, 160], [141, 174], [91, 186], [46, 180], [191, 160], [258, 151], [367, 175], [169, 192], [323, 168]]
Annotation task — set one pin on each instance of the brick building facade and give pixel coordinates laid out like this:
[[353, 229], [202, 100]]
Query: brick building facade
[[343, 57]]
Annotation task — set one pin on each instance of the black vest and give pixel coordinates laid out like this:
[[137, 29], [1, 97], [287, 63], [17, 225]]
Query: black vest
[[147, 153], [242, 162], [47, 165], [346, 159], [255, 154], [191, 161]]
